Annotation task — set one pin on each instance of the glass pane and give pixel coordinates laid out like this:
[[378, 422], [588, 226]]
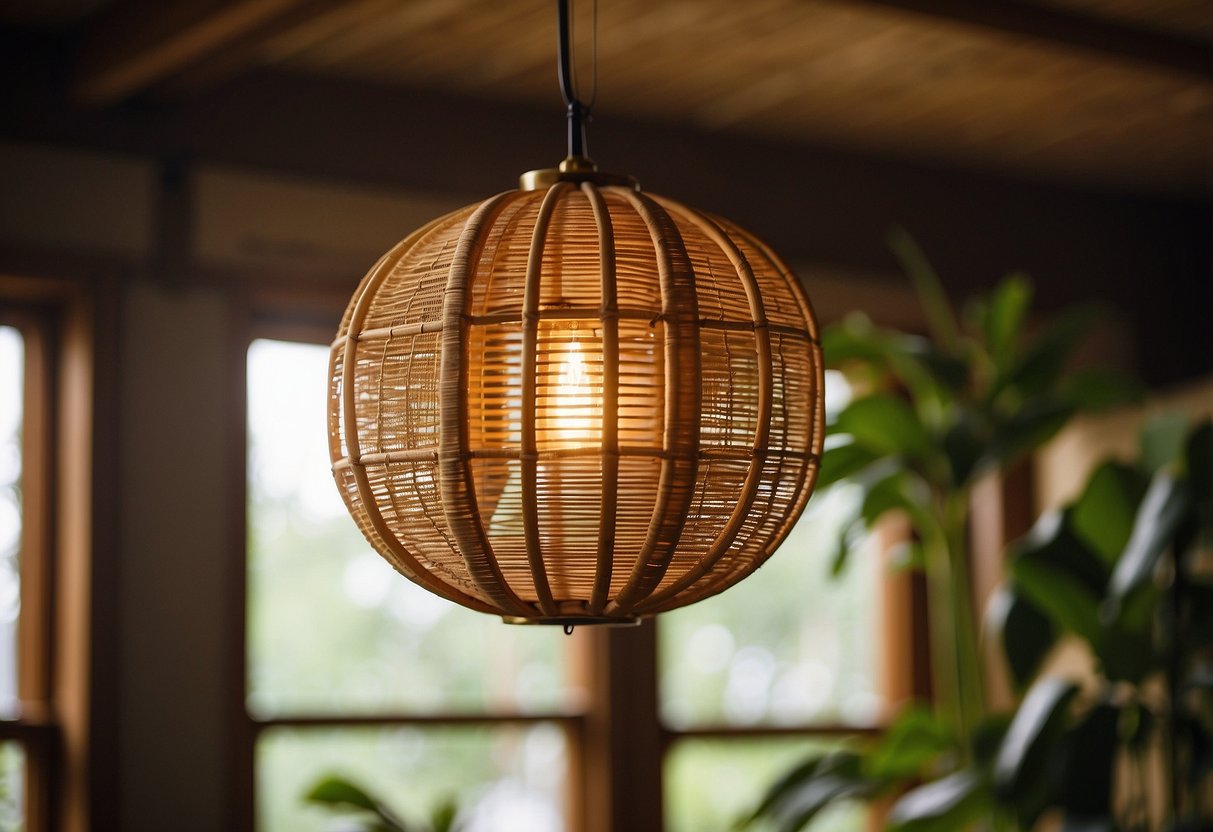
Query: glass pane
[[12, 787], [710, 783], [501, 778], [332, 628], [12, 395], [791, 644]]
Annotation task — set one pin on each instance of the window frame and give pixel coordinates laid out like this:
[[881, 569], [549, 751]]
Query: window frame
[[66, 627]]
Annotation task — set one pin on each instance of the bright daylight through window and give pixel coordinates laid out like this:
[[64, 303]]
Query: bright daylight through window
[[334, 633], [12, 757]]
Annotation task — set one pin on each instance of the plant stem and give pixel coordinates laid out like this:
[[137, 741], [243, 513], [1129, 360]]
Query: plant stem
[[955, 660], [1174, 703], [971, 698]]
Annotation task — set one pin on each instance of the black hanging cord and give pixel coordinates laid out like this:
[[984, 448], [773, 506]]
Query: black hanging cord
[[578, 111]]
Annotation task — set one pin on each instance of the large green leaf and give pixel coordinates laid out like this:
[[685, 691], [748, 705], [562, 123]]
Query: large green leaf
[[1040, 365], [1030, 427], [941, 319], [915, 739], [1030, 741], [941, 806], [854, 338], [338, 793], [965, 443], [1166, 506], [931, 376], [1095, 389], [1060, 575], [987, 738], [1103, 516], [791, 780], [1067, 601], [442, 819], [848, 541], [1027, 634], [899, 491], [1003, 319], [885, 424], [843, 461], [1053, 540], [1127, 650], [831, 779], [945, 370]]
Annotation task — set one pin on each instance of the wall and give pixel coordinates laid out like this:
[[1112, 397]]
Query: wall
[[173, 595]]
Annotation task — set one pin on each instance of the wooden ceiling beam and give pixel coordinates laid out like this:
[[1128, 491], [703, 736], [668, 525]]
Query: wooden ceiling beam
[[146, 42], [1073, 30]]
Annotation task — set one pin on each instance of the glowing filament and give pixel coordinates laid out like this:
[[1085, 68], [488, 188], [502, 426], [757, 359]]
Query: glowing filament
[[575, 406]]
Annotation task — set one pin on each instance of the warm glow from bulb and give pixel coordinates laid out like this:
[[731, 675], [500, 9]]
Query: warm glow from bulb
[[575, 406]]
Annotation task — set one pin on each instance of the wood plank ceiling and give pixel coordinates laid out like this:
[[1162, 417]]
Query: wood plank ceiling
[[1116, 94]]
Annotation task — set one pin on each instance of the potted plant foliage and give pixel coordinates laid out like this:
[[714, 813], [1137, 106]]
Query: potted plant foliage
[[1120, 569]]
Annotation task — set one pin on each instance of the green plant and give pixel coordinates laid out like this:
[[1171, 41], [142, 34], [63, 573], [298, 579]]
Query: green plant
[[371, 814], [933, 415], [1124, 569], [937, 414]]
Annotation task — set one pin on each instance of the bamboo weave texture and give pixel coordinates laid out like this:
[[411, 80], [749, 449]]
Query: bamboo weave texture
[[577, 404]]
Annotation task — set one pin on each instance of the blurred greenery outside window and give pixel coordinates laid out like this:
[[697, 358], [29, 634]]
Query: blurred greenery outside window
[[354, 671]]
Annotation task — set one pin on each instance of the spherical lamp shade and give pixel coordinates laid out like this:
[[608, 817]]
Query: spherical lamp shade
[[577, 403]]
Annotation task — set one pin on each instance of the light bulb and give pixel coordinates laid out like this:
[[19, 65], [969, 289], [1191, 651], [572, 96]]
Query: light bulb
[[570, 401], [575, 406]]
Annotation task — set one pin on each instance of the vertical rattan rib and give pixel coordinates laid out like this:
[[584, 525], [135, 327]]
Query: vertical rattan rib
[[387, 543], [458, 492], [680, 442], [762, 424], [610, 401], [577, 404], [530, 451]]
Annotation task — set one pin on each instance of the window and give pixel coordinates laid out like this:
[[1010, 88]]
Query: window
[[12, 400], [353, 670], [57, 763], [27, 732]]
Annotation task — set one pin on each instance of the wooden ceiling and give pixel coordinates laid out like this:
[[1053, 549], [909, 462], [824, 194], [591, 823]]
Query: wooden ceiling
[[1115, 94]]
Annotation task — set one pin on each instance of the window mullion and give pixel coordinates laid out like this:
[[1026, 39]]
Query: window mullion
[[34, 657], [620, 746]]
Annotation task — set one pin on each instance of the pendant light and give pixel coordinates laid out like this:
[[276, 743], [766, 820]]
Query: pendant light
[[576, 402]]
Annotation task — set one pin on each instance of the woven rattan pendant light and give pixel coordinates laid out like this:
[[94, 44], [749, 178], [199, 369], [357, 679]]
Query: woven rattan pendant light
[[576, 402]]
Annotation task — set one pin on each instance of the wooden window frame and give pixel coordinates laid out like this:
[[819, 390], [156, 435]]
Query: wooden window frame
[[65, 632]]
